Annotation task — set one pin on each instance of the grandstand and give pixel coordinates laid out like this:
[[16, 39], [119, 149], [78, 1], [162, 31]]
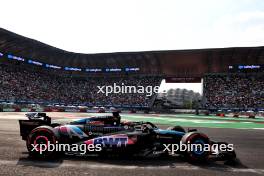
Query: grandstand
[[36, 73], [238, 91], [23, 86]]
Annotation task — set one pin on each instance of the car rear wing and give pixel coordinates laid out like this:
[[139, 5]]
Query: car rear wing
[[34, 120]]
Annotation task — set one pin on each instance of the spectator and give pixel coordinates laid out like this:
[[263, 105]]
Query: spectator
[[17, 84], [234, 91]]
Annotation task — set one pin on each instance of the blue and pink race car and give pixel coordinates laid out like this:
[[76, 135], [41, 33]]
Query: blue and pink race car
[[110, 135]]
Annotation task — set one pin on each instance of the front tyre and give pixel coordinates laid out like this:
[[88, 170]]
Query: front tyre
[[198, 147]]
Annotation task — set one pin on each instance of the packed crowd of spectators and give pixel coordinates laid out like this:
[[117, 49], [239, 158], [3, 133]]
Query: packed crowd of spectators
[[234, 91], [18, 84]]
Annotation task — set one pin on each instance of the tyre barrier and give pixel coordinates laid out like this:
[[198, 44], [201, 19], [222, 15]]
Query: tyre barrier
[[220, 114], [236, 115], [206, 113], [83, 110], [251, 116], [133, 111]]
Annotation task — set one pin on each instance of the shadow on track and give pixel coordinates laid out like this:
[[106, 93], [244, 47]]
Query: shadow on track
[[138, 162]]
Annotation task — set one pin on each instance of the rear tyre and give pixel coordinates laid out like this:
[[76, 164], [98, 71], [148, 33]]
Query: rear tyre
[[200, 151], [38, 141]]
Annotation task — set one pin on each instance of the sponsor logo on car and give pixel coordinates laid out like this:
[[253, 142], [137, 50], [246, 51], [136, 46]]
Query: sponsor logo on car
[[111, 141]]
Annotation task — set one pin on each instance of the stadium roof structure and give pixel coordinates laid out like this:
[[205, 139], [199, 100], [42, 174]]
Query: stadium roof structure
[[177, 63]]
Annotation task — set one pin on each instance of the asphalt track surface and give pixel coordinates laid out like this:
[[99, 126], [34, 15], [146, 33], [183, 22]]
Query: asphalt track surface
[[14, 160]]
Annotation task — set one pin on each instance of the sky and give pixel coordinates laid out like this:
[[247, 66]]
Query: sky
[[99, 26]]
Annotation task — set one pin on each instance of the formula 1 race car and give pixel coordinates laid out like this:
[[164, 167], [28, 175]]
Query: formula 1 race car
[[112, 136]]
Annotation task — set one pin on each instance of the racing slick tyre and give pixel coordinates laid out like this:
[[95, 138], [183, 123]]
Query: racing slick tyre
[[176, 128], [200, 151], [38, 141]]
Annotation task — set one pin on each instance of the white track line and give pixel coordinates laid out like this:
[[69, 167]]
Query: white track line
[[128, 167]]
